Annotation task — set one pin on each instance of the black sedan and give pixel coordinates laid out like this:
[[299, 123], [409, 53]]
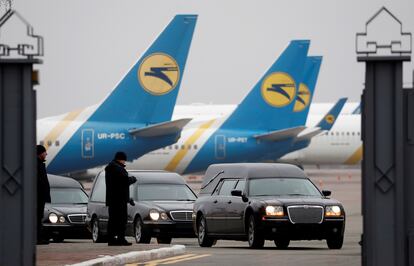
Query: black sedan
[[258, 202], [65, 216], [163, 207]]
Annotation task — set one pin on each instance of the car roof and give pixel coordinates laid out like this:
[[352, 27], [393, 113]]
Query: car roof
[[216, 172], [62, 181], [156, 177]]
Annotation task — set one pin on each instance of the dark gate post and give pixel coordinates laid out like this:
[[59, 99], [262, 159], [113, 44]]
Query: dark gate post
[[383, 194], [17, 147]]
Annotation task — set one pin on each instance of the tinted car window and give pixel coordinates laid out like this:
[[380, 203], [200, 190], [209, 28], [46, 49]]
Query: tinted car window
[[149, 192], [227, 187], [282, 187], [99, 190], [68, 196]]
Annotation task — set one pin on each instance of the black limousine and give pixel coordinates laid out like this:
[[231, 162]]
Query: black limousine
[[259, 201], [65, 216], [163, 207]]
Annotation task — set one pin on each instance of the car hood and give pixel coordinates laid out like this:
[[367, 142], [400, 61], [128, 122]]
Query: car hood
[[288, 201], [171, 205], [67, 208]]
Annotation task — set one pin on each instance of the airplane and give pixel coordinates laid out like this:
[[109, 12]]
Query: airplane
[[342, 145], [265, 124], [204, 111], [135, 117]]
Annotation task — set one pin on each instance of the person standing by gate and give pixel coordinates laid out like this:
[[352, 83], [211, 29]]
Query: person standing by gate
[[43, 193], [117, 197]]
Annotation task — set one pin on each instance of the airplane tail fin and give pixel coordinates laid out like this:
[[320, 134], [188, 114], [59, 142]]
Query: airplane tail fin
[[325, 124], [148, 92], [270, 102], [329, 119], [306, 91]]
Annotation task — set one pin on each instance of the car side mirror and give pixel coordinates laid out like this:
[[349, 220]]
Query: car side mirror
[[239, 193], [326, 193], [236, 193]]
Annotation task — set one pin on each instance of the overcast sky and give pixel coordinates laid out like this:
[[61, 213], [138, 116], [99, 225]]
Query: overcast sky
[[89, 45]]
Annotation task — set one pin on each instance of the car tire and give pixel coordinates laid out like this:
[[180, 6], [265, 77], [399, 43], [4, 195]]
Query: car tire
[[282, 243], [203, 239], [335, 242], [164, 240], [97, 236], [140, 235], [254, 238]]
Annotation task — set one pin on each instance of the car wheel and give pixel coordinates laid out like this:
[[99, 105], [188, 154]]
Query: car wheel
[[140, 235], [164, 240], [203, 239], [97, 236], [254, 238], [58, 239], [282, 243], [335, 242]]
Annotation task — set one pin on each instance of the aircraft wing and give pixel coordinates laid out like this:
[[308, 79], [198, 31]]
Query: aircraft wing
[[282, 134], [325, 124], [161, 129], [309, 133]]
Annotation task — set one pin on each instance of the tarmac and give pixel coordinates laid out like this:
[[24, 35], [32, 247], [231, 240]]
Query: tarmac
[[344, 183]]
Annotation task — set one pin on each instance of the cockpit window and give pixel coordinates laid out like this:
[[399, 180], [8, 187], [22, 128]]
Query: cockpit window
[[151, 192], [282, 187], [68, 196]]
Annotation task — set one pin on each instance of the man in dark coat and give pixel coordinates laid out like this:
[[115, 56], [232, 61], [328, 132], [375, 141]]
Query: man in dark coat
[[43, 193], [117, 198]]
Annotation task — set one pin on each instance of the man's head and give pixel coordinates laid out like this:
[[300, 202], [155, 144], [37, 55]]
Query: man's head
[[41, 152], [120, 157]]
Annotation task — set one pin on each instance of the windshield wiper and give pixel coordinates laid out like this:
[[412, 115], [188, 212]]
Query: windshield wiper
[[185, 200], [297, 194]]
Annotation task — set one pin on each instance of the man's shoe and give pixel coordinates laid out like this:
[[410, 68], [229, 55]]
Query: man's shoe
[[113, 243], [42, 242]]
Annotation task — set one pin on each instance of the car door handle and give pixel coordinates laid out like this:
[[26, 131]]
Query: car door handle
[[215, 201], [229, 201]]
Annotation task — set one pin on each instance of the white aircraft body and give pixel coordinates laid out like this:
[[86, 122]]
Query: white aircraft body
[[341, 145]]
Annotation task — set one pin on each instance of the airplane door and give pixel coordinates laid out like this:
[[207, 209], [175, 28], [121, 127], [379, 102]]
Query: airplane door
[[87, 143], [220, 147]]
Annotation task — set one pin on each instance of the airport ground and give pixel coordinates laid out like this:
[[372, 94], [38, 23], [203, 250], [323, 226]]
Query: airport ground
[[345, 185]]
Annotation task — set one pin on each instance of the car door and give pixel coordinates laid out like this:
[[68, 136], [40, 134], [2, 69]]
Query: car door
[[211, 211], [222, 205], [97, 200], [235, 211]]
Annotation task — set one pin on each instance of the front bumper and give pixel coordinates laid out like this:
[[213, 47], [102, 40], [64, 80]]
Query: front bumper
[[71, 231], [169, 228], [283, 228]]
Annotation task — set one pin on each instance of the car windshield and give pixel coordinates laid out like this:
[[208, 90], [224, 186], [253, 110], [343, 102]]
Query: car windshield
[[282, 187], [151, 192], [68, 196]]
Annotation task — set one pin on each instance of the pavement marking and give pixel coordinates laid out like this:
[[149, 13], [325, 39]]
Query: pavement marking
[[190, 258], [171, 260]]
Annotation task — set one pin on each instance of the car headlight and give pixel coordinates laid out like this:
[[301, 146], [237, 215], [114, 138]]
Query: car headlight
[[154, 215], [53, 218], [274, 210], [332, 210], [62, 219]]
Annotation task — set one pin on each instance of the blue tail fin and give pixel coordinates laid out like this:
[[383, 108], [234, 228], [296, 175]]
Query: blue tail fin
[[306, 91], [269, 103], [148, 92], [329, 119]]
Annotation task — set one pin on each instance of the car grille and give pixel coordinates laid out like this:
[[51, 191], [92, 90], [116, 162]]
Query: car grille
[[181, 215], [77, 218], [305, 214]]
